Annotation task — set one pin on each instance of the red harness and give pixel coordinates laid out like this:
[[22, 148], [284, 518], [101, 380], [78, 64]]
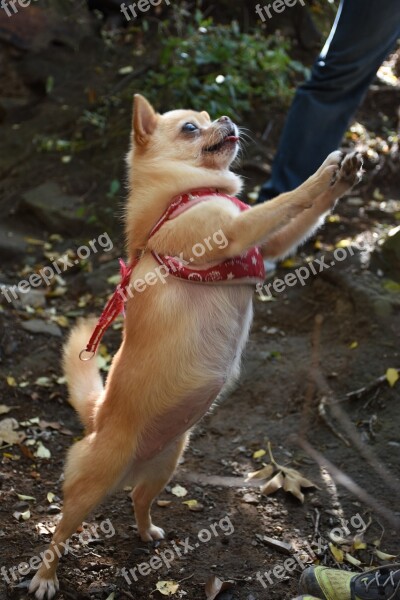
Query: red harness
[[249, 267]]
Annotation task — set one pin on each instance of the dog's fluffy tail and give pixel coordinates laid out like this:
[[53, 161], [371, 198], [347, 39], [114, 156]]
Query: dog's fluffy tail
[[85, 385]]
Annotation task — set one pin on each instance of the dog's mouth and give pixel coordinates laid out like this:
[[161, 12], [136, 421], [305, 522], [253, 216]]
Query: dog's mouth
[[229, 138]]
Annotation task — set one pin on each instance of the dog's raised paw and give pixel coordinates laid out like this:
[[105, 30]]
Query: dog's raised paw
[[349, 170], [152, 534], [44, 589]]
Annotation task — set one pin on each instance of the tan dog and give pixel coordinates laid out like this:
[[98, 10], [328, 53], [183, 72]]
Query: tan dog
[[182, 341]]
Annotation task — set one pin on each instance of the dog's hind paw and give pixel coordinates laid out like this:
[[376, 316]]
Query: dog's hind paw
[[152, 533], [44, 589]]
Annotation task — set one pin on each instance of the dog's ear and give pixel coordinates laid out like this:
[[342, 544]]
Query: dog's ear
[[144, 119]]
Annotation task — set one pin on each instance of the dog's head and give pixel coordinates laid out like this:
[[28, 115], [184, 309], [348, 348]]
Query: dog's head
[[183, 136], [172, 153]]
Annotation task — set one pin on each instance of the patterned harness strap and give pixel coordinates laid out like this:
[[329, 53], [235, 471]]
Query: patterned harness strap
[[249, 266]]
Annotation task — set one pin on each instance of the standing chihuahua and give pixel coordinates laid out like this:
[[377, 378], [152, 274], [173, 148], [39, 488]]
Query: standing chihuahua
[[184, 334]]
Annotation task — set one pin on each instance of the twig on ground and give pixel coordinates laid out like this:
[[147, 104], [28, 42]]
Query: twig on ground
[[357, 394], [324, 416], [346, 481]]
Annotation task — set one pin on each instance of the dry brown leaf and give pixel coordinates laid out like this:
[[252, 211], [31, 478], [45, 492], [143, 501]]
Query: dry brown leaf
[[273, 484], [214, 586], [292, 485], [304, 482], [263, 473], [8, 433]]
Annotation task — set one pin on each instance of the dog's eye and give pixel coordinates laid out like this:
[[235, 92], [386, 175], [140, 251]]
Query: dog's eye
[[189, 128]]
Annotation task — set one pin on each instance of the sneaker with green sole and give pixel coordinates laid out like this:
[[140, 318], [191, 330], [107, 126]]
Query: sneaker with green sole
[[382, 583]]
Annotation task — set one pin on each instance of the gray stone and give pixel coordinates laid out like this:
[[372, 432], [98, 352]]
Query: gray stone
[[39, 326], [56, 210]]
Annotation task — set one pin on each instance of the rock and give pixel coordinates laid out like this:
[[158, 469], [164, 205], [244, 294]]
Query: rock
[[55, 209], [39, 326], [35, 298], [53, 509], [12, 244]]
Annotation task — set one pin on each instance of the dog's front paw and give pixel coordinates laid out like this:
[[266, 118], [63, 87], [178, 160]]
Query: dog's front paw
[[348, 172], [44, 588], [152, 533]]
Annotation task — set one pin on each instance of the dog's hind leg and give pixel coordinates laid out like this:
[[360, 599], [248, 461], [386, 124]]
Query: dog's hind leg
[[154, 476], [95, 466]]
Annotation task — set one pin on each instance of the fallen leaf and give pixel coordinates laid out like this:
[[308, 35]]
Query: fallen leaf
[[125, 70], [164, 503], [353, 345], [193, 505], [26, 452], [263, 473], [179, 491], [5, 409], [336, 552], [8, 433], [30, 422], [259, 453], [273, 484], [45, 528], [11, 381], [343, 243], [292, 485], [44, 381], [392, 375], [42, 451], [111, 596], [288, 263], [22, 497], [167, 588], [50, 497], [358, 543], [214, 586], [11, 456], [22, 516], [383, 556], [353, 561]]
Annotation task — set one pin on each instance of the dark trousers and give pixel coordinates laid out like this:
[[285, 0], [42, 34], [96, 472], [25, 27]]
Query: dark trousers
[[364, 33]]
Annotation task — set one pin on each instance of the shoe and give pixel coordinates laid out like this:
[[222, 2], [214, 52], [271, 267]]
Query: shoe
[[382, 583]]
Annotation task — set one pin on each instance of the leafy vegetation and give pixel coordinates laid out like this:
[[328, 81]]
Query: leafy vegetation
[[218, 66]]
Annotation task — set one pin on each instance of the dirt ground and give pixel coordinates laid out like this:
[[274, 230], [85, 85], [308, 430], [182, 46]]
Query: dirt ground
[[291, 367]]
